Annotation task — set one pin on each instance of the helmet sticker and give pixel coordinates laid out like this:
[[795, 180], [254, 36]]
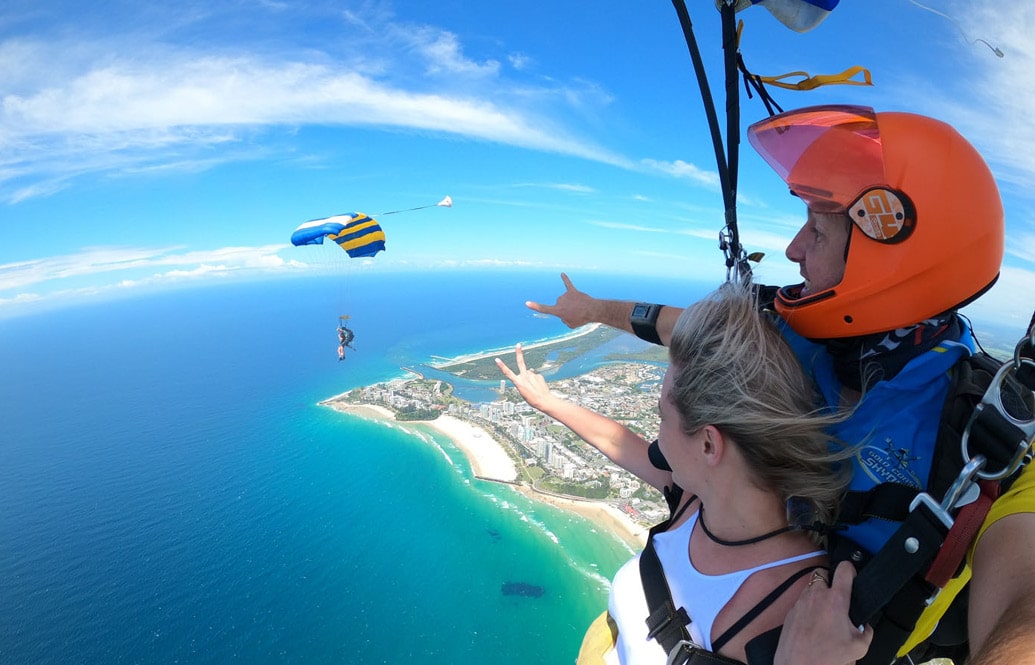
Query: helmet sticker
[[884, 215]]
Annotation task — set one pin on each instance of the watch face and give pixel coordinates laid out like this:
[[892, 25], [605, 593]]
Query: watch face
[[640, 310]]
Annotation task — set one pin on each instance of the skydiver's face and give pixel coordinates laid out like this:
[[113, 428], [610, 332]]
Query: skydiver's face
[[676, 445], [819, 250]]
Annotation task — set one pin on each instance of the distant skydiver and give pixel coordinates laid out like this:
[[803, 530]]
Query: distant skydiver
[[345, 337]]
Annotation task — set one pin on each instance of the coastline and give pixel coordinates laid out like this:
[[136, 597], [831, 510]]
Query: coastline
[[489, 460], [487, 456], [601, 513], [481, 355]]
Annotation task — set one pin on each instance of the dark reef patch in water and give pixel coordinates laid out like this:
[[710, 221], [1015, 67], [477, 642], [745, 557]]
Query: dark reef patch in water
[[522, 589]]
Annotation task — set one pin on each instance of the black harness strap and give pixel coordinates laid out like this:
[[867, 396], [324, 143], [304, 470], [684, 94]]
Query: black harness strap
[[910, 550], [893, 588], [755, 81], [668, 625], [760, 607], [888, 501]]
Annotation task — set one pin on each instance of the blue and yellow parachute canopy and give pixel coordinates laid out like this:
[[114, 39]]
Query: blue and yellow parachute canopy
[[356, 233]]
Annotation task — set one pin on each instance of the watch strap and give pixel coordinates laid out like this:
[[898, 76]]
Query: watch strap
[[644, 320]]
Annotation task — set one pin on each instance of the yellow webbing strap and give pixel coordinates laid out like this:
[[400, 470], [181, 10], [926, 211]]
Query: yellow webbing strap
[[599, 639], [812, 82], [809, 82]]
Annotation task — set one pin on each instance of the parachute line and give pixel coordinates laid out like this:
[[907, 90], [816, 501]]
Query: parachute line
[[444, 203], [995, 49]]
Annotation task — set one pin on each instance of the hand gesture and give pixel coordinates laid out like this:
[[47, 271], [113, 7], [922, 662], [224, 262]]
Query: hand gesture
[[532, 386], [573, 307]]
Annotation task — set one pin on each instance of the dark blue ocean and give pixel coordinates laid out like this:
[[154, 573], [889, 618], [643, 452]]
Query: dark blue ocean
[[170, 491]]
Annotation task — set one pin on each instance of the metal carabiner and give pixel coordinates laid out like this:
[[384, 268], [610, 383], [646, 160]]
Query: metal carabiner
[[683, 650], [962, 491], [957, 492], [686, 652], [1028, 341], [993, 399], [736, 257]]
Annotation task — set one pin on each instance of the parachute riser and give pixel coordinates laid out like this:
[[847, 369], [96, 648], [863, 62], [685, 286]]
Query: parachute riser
[[726, 159]]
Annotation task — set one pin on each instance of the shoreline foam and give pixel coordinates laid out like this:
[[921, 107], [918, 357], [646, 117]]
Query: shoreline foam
[[489, 460], [481, 355]]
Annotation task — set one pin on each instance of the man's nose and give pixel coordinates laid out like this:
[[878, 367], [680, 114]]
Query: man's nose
[[796, 249]]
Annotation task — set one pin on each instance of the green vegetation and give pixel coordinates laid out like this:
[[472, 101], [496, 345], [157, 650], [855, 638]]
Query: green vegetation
[[558, 352], [648, 493], [534, 473], [652, 354], [410, 413], [592, 489]]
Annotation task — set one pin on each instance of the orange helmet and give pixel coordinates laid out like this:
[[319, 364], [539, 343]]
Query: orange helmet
[[928, 228]]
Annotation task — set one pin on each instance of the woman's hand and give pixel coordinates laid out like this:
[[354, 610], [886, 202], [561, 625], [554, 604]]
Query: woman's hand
[[532, 386], [817, 630]]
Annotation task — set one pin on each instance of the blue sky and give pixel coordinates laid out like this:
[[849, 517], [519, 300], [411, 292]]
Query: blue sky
[[145, 145]]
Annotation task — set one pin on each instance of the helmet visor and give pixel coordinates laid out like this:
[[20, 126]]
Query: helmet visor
[[828, 155]]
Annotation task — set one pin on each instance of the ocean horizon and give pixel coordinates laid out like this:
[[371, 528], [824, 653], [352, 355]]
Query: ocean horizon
[[173, 493]]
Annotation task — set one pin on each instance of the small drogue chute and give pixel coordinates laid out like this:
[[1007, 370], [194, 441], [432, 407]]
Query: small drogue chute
[[798, 15], [356, 233]]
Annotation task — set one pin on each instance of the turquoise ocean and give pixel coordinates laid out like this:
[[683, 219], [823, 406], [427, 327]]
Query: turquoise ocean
[[170, 491]]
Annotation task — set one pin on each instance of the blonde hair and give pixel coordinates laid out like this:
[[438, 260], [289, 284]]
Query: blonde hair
[[733, 369]]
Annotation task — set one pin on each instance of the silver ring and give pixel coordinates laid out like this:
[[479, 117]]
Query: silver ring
[[816, 577]]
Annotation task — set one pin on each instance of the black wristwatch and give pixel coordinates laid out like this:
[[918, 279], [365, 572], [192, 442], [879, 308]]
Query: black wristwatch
[[644, 319]]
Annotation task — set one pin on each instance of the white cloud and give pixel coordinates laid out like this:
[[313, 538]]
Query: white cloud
[[519, 61], [988, 99], [624, 226], [201, 271], [1001, 119], [103, 271], [20, 299], [571, 187], [1021, 246], [561, 186], [81, 107], [1009, 303], [443, 53], [683, 170], [94, 261]]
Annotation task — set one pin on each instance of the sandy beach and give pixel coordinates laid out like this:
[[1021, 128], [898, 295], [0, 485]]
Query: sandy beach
[[488, 457], [602, 514], [489, 460], [446, 363]]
